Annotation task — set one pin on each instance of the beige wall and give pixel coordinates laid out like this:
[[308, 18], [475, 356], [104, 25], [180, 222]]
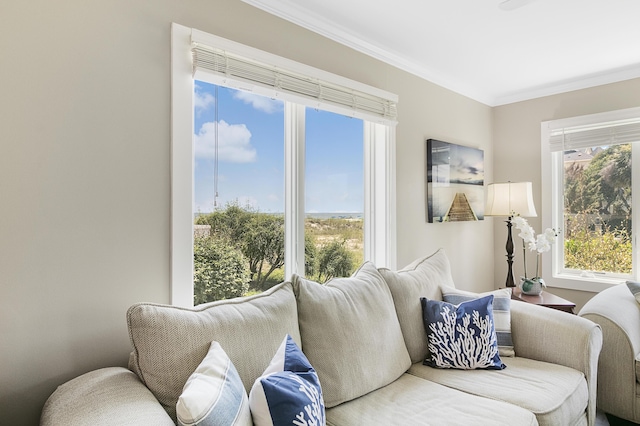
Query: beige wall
[[85, 173], [517, 150]]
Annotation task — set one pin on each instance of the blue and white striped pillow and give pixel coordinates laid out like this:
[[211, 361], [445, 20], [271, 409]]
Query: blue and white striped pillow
[[501, 313], [634, 287], [214, 394], [288, 392]]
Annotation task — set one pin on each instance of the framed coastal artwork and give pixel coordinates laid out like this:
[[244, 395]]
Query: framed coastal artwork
[[455, 182]]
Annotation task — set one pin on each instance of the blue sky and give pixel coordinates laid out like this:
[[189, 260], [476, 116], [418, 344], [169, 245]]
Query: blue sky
[[251, 154]]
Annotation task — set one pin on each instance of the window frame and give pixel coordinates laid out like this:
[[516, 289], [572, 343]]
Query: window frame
[[379, 173], [553, 206]]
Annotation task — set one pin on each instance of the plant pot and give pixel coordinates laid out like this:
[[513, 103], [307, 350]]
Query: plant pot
[[531, 286]]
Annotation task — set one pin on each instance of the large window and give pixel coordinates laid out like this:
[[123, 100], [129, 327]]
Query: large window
[[239, 209], [280, 167], [590, 173]]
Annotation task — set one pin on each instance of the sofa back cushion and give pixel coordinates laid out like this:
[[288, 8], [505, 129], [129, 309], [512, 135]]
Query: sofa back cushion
[[422, 278], [350, 333], [169, 342]]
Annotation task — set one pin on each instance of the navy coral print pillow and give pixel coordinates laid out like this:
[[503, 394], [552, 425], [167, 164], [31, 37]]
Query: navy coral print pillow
[[461, 336], [288, 392]]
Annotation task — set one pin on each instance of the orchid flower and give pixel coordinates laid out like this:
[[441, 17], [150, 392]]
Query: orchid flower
[[540, 243]]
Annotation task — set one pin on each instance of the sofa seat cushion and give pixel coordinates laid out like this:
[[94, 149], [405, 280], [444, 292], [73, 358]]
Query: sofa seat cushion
[[170, 342], [557, 395], [414, 401], [421, 278], [350, 333]]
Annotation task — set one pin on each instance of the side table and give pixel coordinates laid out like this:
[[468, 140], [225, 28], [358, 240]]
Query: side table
[[544, 299]]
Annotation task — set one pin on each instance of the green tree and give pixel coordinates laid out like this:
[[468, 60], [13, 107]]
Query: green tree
[[310, 255], [610, 173], [259, 236], [598, 207], [603, 187], [334, 260], [229, 223], [220, 270], [577, 198], [263, 245]]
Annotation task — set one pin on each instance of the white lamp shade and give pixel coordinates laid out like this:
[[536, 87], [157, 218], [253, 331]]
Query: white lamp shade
[[510, 199]]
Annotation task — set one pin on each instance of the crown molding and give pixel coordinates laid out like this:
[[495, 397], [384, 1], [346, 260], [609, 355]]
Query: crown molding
[[582, 82], [293, 13], [290, 11]]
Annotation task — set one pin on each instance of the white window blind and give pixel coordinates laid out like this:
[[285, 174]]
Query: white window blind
[[281, 78], [600, 134]]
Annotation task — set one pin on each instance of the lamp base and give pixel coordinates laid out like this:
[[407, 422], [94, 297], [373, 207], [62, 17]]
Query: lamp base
[[509, 247]]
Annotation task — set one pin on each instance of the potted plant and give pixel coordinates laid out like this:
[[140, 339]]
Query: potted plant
[[539, 244]]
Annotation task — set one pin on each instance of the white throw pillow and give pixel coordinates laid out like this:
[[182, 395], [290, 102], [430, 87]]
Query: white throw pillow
[[214, 394]]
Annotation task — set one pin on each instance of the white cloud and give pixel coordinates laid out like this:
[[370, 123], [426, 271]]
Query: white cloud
[[202, 101], [234, 143], [259, 102]]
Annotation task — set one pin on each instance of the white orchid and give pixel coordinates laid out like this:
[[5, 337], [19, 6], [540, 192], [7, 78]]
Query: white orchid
[[551, 235], [540, 243]]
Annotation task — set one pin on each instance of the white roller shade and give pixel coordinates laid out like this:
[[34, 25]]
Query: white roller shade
[[281, 78]]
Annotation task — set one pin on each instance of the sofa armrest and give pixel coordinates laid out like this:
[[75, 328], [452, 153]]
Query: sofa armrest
[[549, 335], [617, 312], [109, 396]]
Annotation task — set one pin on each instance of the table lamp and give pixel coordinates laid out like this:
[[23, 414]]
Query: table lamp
[[510, 199]]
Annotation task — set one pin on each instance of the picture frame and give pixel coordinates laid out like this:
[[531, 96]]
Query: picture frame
[[455, 182]]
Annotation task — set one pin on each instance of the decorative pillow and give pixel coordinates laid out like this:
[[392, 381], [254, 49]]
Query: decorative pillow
[[288, 392], [501, 313], [421, 278], [461, 337], [351, 334], [634, 287], [214, 394]]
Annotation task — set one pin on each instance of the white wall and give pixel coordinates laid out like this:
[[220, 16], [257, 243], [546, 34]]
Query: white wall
[[517, 150], [85, 173]]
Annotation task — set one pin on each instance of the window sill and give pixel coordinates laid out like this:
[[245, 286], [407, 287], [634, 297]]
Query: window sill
[[593, 284]]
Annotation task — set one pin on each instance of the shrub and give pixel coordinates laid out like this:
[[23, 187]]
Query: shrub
[[220, 270], [334, 260], [603, 253]]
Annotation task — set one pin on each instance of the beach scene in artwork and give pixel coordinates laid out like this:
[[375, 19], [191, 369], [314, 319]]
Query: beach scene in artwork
[[455, 182]]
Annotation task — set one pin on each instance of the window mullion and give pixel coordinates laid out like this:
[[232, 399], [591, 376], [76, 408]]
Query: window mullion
[[294, 117], [635, 207], [379, 205]]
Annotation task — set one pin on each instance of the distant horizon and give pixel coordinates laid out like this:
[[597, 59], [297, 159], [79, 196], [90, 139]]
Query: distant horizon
[[315, 215]]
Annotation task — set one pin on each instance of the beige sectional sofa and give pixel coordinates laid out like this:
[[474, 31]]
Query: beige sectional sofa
[[365, 337], [618, 313]]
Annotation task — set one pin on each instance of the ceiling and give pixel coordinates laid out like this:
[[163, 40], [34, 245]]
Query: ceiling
[[479, 50]]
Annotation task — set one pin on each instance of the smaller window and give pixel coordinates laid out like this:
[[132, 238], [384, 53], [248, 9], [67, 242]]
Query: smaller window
[[588, 181], [597, 213]]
